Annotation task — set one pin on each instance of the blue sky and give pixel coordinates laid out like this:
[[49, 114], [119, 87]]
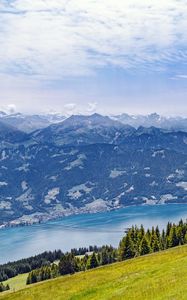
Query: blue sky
[[81, 56]]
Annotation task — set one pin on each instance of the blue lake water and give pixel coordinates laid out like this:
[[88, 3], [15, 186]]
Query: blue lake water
[[83, 230]]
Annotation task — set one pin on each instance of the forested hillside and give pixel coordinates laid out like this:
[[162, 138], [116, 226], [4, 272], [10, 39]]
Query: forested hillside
[[158, 276]]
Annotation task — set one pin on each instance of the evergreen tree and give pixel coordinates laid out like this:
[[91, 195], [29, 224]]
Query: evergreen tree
[[157, 231], [180, 236], [33, 277], [104, 258], [168, 228], [163, 240], [67, 264], [173, 239], [144, 246], [155, 244], [126, 248], [142, 232], [54, 271], [148, 234], [4, 287], [29, 279], [92, 262]]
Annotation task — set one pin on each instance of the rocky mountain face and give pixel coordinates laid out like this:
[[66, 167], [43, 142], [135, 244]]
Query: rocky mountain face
[[88, 164], [10, 134], [171, 123], [29, 123], [83, 130]]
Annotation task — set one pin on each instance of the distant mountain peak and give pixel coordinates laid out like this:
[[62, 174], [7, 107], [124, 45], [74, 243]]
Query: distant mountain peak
[[153, 120], [2, 114], [90, 120], [11, 134]]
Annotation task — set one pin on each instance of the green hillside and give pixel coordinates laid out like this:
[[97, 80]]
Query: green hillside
[[157, 276]]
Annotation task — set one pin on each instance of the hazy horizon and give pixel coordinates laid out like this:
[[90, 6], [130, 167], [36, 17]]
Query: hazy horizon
[[12, 110]]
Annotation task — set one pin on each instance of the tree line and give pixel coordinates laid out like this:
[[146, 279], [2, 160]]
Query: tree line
[[139, 241], [71, 263], [12, 269], [136, 242]]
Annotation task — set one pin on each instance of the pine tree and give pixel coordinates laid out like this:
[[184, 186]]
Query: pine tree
[[92, 262], [54, 270], [29, 279], [157, 231], [67, 264], [185, 238], [144, 246], [163, 240], [173, 240], [180, 236], [168, 228], [126, 248], [148, 234], [142, 231], [104, 258], [7, 287], [156, 244], [4, 287], [33, 277]]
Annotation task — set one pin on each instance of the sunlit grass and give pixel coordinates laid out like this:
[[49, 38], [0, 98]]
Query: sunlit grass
[[17, 283], [157, 276]]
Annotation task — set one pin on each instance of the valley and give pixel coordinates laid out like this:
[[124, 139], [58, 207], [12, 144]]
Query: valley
[[88, 164]]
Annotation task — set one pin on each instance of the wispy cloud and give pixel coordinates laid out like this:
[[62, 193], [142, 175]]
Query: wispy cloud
[[70, 54], [182, 76], [47, 39], [179, 76]]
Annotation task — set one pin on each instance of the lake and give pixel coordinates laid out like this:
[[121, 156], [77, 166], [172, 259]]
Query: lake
[[83, 230]]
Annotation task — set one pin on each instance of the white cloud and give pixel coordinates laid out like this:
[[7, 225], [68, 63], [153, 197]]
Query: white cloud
[[73, 108], [70, 108], [54, 39], [9, 108], [92, 107]]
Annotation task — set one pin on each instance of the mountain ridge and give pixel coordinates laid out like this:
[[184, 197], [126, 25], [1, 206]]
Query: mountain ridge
[[56, 181], [70, 168], [31, 122]]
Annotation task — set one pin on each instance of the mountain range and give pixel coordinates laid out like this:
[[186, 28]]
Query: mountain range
[[87, 164], [29, 123], [154, 119]]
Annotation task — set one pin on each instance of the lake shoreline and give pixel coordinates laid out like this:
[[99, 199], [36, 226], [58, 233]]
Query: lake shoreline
[[45, 218], [82, 230]]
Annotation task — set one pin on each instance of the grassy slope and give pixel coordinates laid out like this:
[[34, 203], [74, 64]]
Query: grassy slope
[[18, 282], [156, 276]]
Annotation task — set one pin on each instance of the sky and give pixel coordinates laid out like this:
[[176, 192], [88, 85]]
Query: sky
[[84, 56]]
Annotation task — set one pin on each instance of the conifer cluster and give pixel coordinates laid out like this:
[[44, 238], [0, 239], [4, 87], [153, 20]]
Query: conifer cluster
[[140, 242], [69, 264], [136, 242], [4, 287]]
